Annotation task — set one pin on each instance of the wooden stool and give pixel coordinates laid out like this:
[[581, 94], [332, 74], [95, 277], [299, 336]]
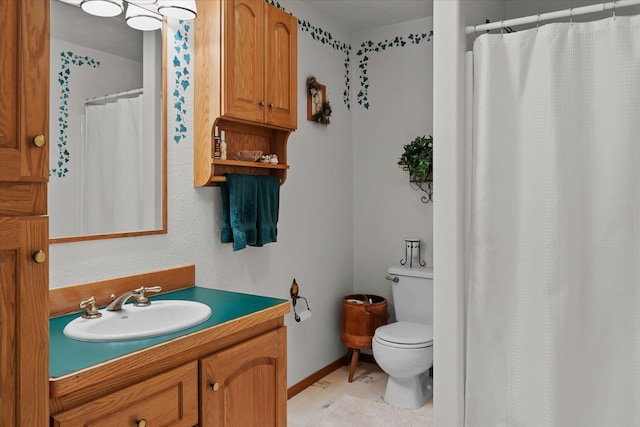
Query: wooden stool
[[361, 315]]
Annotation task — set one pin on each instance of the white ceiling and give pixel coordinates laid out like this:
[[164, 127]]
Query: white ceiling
[[362, 14]]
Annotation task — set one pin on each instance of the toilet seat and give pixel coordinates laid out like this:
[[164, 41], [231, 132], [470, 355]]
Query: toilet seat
[[405, 335]]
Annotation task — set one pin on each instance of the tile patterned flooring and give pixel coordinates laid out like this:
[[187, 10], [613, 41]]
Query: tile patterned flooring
[[369, 382]]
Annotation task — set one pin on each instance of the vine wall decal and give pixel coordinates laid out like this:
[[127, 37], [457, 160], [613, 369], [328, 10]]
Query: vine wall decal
[[67, 59], [181, 61], [369, 47], [325, 37]]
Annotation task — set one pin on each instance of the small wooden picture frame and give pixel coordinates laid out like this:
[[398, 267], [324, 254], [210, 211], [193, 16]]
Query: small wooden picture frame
[[315, 99]]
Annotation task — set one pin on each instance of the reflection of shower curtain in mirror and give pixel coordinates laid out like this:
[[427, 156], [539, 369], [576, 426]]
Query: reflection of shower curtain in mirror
[[114, 174]]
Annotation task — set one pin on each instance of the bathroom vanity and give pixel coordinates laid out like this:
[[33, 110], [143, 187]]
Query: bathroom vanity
[[229, 370]]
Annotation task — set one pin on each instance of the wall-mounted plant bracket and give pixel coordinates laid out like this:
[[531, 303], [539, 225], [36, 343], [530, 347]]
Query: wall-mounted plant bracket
[[427, 187]]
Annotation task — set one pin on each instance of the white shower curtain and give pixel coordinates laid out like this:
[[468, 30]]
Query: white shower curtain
[[114, 185], [553, 320]]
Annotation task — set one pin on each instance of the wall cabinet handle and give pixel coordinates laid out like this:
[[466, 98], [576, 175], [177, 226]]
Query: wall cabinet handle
[[271, 105], [39, 256], [261, 103], [141, 423], [214, 386], [39, 141]]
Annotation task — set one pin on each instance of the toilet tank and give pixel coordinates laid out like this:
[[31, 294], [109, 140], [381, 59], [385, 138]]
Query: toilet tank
[[412, 294]]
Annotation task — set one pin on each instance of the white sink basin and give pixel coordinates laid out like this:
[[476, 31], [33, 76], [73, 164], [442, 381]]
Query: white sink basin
[[159, 318]]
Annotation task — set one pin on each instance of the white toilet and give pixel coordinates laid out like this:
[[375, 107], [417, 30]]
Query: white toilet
[[404, 349]]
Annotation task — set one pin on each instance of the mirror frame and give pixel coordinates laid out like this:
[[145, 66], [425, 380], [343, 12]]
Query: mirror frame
[[164, 124]]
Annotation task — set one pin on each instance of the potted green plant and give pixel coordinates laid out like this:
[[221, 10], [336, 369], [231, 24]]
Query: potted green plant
[[417, 159]]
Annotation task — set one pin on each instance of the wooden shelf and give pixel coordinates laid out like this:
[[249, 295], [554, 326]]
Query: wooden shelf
[[254, 101], [249, 164]]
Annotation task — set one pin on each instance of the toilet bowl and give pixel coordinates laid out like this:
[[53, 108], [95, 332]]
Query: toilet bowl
[[404, 350]]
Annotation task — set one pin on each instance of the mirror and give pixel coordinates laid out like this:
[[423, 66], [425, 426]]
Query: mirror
[[107, 118]]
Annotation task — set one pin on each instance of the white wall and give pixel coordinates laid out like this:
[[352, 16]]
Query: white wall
[[400, 96]]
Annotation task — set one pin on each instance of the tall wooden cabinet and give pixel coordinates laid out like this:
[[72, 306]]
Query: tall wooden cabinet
[[24, 235], [245, 84]]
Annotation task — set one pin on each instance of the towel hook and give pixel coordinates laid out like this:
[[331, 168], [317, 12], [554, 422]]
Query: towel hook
[[538, 22], [614, 8], [571, 15], [501, 28]]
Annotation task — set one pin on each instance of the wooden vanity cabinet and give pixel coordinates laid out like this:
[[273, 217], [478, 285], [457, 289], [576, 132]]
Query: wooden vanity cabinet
[[232, 373], [167, 399], [245, 83], [245, 385], [24, 233]]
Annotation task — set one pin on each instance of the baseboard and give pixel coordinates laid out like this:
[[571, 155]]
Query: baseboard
[[316, 376]]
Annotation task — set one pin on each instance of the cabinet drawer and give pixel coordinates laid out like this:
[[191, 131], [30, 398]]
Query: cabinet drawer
[[168, 399]]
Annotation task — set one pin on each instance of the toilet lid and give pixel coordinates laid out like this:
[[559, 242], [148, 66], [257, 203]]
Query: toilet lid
[[406, 333]]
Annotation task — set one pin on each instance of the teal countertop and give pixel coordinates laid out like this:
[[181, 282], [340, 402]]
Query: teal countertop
[[67, 355]]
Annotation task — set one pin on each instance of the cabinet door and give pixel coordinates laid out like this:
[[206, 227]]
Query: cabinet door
[[281, 68], [24, 90], [168, 399], [246, 385], [244, 60], [24, 320]]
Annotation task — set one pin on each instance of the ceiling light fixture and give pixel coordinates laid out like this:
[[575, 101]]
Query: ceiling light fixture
[[141, 14], [104, 8], [142, 19], [183, 9]]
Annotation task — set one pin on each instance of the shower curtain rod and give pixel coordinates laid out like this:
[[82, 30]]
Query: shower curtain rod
[[131, 92], [567, 13]]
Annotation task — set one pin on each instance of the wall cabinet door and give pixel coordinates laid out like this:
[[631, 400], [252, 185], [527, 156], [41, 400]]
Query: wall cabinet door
[[260, 63], [24, 90], [245, 385], [281, 68], [24, 320], [244, 59]]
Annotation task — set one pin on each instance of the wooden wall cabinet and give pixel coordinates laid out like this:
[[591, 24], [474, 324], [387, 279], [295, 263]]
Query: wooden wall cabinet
[[260, 63], [245, 84], [24, 234]]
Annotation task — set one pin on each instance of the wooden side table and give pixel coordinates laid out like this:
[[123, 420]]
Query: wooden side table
[[361, 315]]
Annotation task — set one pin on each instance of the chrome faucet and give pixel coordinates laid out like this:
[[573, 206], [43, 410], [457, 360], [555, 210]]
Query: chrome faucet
[[139, 294]]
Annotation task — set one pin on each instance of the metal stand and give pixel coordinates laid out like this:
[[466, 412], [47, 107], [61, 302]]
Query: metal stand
[[410, 245]]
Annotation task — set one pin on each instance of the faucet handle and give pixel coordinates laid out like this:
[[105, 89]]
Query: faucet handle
[[90, 310], [141, 299]]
